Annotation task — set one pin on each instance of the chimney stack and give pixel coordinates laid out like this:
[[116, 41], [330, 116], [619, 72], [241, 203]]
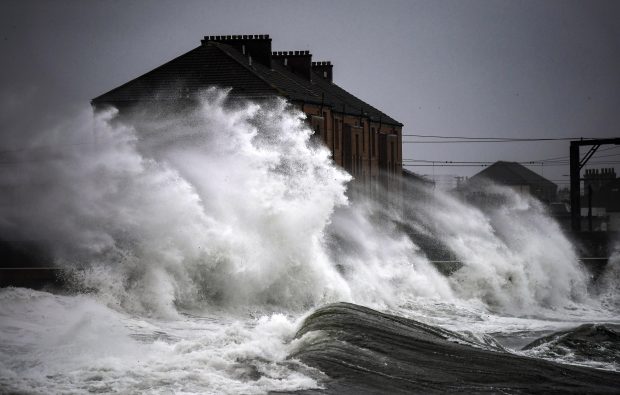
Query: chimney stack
[[256, 46], [297, 62], [324, 69]]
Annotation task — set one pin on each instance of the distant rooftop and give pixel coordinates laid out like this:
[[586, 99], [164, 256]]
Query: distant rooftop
[[511, 173]]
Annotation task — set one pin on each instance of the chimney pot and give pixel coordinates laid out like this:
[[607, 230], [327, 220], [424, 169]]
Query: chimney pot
[[298, 62], [248, 44], [324, 69]]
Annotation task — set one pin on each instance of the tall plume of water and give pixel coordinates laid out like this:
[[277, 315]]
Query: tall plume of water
[[234, 205], [226, 205]]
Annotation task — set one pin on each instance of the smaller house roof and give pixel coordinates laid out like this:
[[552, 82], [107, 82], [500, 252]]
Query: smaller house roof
[[511, 173]]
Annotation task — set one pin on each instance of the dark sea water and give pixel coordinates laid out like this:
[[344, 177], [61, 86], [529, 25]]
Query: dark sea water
[[365, 351], [219, 252]]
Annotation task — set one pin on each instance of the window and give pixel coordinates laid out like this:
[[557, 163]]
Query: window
[[317, 126], [392, 148], [364, 143], [337, 131], [325, 126], [372, 142], [357, 155]]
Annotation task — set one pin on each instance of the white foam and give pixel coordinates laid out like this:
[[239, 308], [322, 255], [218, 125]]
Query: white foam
[[53, 344]]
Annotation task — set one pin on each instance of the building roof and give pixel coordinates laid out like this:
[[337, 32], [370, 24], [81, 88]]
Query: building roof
[[417, 178], [197, 69], [218, 64], [511, 173]]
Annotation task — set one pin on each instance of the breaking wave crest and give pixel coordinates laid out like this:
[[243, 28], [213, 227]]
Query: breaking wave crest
[[235, 205]]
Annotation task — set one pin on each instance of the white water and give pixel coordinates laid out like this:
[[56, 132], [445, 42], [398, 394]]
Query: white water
[[202, 240]]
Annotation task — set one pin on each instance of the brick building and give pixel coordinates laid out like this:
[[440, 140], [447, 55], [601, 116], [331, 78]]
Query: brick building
[[363, 140], [600, 202]]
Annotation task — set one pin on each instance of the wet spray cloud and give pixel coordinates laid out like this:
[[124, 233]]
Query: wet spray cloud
[[224, 204], [513, 256], [232, 204]]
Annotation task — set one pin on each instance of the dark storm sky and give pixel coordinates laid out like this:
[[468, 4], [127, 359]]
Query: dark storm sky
[[472, 68]]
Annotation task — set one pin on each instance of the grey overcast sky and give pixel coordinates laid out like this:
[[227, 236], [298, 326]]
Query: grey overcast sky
[[541, 68]]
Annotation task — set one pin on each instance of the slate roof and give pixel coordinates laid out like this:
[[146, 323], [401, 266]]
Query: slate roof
[[512, 173], [197, 69], [218, 64]]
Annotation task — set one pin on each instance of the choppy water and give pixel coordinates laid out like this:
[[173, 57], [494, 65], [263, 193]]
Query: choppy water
[[201, 242]]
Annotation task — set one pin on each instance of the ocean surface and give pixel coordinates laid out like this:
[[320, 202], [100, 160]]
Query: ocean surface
[[218, 252]]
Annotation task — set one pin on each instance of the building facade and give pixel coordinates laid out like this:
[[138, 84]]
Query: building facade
[[363, 140], [600, 202]]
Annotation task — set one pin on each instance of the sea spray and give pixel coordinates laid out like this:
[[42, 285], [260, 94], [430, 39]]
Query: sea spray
[[223, 205], [233, 204], [382, 264], [514, 257], [608, 284], [200, 239]]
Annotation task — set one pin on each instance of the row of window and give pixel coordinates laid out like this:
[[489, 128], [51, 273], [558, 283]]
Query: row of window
[[320, 125]]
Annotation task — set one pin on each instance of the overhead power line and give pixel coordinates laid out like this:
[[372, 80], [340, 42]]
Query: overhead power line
[[553, 161], [481, 141], [497, 139], [431, 163], [566, 157]]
